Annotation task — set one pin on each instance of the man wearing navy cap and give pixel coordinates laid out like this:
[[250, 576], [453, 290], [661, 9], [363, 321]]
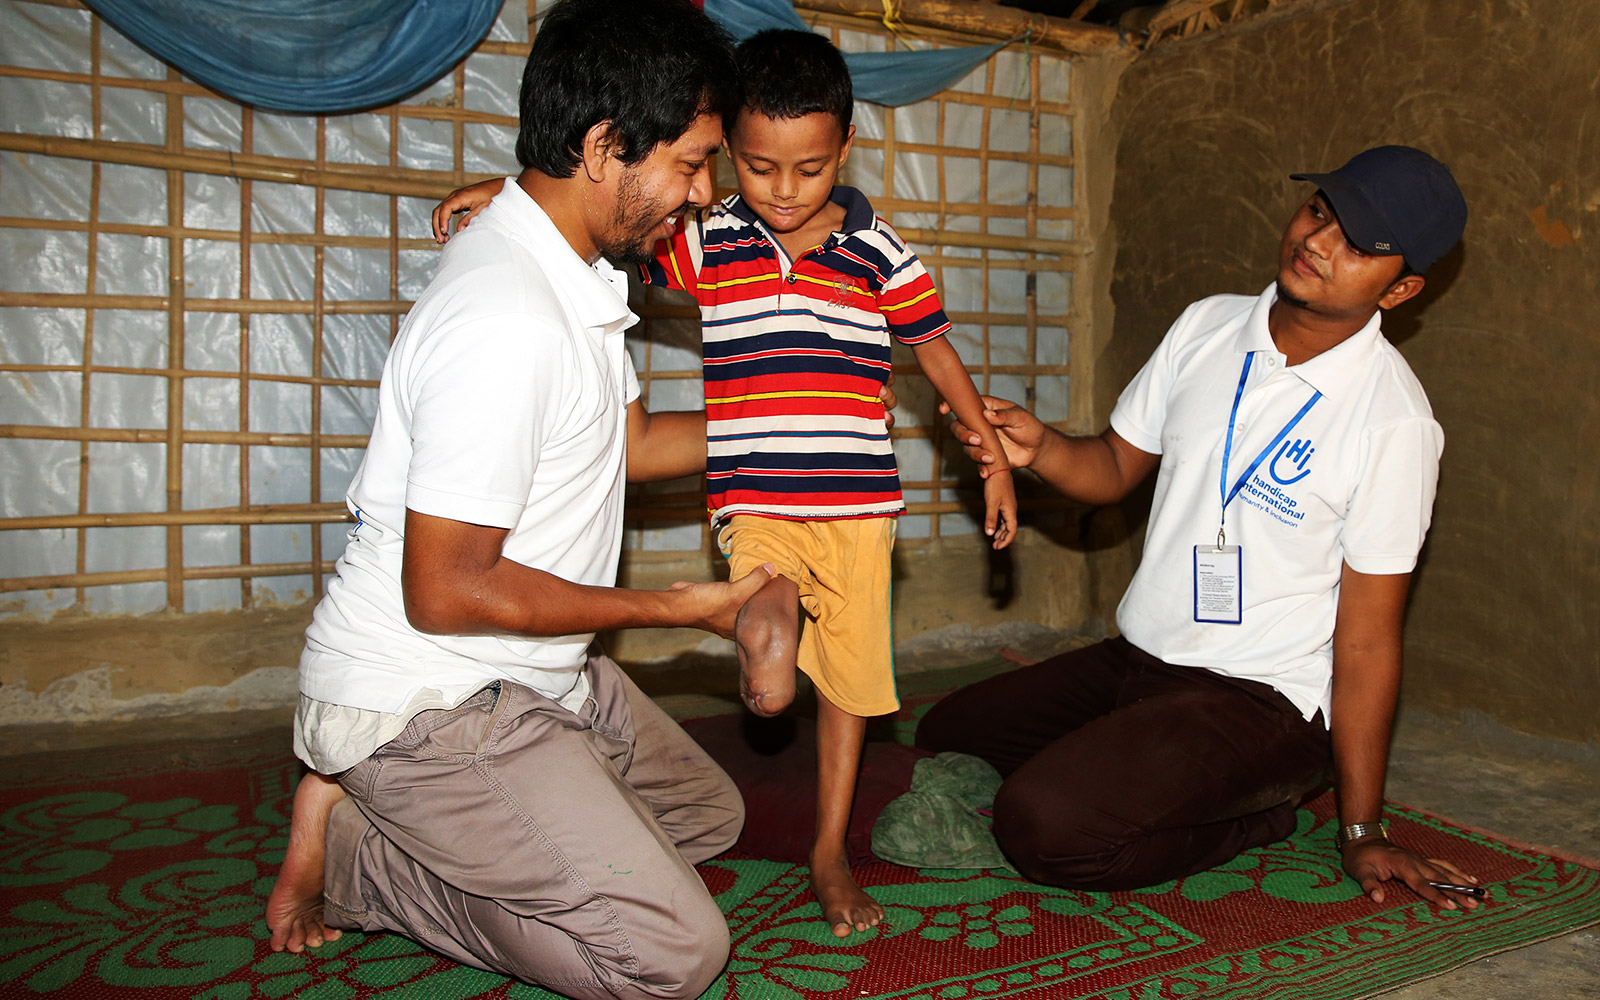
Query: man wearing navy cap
[[1261, 634]]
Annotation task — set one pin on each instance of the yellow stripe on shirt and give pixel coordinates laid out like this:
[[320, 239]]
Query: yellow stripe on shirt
[[884, 307], [706, 286], [792, 395]]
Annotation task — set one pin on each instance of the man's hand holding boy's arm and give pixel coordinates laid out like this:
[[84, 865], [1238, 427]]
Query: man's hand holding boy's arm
[[1091, 470], [940, 362], [470, 199]]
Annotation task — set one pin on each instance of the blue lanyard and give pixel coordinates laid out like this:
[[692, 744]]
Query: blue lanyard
[[1227, 448]]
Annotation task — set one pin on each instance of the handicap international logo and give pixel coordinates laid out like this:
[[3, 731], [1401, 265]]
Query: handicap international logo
[[1291, 464]]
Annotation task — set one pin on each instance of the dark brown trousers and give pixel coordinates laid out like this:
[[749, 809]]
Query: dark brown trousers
[[1122, 771]]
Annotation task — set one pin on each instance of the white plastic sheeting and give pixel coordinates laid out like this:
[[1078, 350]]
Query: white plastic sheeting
[[97, 354]]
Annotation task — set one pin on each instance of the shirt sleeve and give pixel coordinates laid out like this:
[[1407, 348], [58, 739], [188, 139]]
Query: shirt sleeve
[[630, 380], [676, 262], [1141, 411], [910, 304], [486, 396], [1392, 504]]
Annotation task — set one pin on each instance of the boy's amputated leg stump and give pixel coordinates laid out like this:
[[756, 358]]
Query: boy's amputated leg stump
[[294, 908], [767, 635], [845, 906]]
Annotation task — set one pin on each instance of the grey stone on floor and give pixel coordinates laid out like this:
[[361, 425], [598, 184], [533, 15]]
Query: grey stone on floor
[[1544, 792], [959, 645]]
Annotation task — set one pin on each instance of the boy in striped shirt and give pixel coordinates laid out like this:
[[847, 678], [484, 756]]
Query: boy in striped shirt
[[801, 291]]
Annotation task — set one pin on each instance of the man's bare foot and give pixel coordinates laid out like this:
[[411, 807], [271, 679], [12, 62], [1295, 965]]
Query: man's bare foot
[[294, 909], [767, 635], [845, 906]]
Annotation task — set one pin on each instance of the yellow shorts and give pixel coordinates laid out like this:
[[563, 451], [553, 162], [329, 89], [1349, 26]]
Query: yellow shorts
[[842, 570]]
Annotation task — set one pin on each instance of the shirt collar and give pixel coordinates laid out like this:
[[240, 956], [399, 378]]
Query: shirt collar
[[857, 209], [1329, 371], [597, 295]]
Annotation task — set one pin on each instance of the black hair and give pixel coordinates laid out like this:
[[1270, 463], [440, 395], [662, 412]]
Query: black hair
[[650, 67], [789, 74]]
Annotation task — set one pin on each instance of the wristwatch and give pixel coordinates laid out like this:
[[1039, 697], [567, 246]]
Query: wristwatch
[[1358, 831]]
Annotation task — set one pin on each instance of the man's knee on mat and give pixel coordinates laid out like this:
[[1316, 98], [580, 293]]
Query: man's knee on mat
[[726, 815], [1059, 840], [686, 971], [671, 951]]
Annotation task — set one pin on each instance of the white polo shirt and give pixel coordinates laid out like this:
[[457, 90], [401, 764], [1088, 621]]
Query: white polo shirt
[[1353, 482], [502, 403]]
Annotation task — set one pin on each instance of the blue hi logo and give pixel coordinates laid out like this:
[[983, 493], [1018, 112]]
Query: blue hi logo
[[1298, 454]]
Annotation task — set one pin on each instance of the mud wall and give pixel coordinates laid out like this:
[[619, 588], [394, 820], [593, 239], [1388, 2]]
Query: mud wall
[[950, 594], [1505, 613]]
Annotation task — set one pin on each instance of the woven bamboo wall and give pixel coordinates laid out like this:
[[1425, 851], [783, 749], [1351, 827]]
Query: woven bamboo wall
[[197, 297]]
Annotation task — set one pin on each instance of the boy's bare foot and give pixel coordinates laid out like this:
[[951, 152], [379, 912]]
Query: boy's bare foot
[[294, 909], [767, 635], [845, 906]]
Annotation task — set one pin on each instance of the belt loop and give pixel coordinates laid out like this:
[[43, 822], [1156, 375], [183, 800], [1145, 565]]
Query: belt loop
[[497, 699]]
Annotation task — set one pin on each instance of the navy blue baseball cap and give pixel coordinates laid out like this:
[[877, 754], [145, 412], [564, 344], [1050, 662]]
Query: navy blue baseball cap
[[1396, 200]]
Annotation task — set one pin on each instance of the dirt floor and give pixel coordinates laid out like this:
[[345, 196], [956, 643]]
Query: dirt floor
[[1469, 769]]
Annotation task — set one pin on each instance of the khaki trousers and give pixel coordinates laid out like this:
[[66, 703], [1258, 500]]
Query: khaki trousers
[[513, 835]]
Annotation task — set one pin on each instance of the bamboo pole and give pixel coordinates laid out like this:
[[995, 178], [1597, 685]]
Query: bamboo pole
[[158, 303], [176, 293], [92, 272], [127, 576], [218, 235], [247, 235], [318, 300], [983, 21], [1177, 12], [1081, 349], [940, 150], [183, 88], [1030, 294], [331, 176], [345, 177], [218, 374], [1020, 244], [310, 513]]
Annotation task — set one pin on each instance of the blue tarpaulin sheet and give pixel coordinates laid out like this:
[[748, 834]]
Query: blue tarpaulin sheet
[[317, 56]]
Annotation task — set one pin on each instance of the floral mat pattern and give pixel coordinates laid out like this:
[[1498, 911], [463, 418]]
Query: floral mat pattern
[[142, 874]]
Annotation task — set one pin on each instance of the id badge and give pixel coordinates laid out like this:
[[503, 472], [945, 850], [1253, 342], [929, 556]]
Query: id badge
[[1218, 584]]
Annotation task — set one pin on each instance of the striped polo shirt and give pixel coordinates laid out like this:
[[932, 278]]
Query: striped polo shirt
[[795, 353]]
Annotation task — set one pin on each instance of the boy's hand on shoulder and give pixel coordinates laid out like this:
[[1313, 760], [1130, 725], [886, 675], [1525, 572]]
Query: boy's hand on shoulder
[[470, 199], [1000, 506]]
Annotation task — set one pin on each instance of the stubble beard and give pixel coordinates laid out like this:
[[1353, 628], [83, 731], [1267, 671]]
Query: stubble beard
[[634, 219], [1290, 299]]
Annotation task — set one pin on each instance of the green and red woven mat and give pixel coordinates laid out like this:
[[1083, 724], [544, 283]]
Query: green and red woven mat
[[143, 874]]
